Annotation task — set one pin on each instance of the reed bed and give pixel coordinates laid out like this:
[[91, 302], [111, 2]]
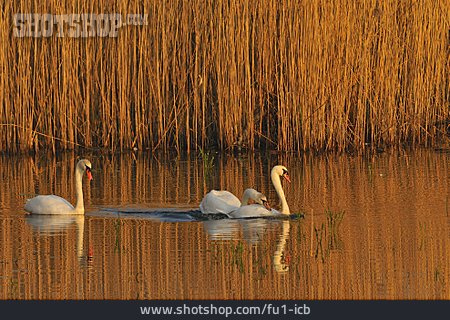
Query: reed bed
[[265, 74]]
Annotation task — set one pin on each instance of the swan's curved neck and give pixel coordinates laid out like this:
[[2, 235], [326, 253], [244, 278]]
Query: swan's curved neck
[[276, 181], [79, 207], [245, 198]]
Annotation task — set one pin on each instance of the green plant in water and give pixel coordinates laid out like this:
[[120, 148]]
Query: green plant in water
[[237, 258], [298, 215], [208, 160], [331, 232], [334, 220], [215, 251], [260, 262], [319, 232], [438, 276], [117, 228], [262, 267]]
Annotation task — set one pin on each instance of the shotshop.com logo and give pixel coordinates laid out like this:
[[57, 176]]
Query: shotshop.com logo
[[84, 25]]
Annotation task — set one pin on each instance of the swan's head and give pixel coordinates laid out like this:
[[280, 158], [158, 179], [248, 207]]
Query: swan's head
[[262, 200], [85, 165], [281, 171], [256, 196]]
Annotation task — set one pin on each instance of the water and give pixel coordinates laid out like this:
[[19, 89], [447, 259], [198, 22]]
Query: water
[[375, 227]]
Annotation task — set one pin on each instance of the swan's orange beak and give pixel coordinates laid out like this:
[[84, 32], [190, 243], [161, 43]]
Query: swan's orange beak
[[267, 205], [89, 174], [286, 176]]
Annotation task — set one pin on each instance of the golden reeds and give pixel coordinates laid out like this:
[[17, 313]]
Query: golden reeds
[[286, 75]]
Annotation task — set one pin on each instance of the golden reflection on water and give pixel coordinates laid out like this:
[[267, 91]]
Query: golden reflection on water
[[392, 241]]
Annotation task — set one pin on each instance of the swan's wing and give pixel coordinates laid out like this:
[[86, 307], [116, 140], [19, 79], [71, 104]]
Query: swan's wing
[[48, 205], [219, 202], [250, 211], [226, 197]]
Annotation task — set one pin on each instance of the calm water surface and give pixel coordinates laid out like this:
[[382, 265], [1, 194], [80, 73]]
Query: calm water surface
[[375, 227]]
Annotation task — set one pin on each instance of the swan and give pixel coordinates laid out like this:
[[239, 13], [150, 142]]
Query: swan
[[256, 210], [52, 204], [277, 172], [225, 202]]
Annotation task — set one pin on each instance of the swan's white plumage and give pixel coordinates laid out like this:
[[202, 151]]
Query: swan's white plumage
[[51, 204], [252, 211], [226, 202], [219, 201]]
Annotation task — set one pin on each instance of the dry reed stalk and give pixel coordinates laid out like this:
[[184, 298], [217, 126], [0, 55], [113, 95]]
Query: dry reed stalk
[[282, 75]]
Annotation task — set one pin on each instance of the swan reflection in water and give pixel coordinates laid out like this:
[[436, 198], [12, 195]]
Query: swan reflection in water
[[279, 258], [52, 225], [218, 228], [253, 230]]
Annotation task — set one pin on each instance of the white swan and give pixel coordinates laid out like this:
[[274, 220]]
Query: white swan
[[225, 202], [277, 172], [256, 210], [52, 204]]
